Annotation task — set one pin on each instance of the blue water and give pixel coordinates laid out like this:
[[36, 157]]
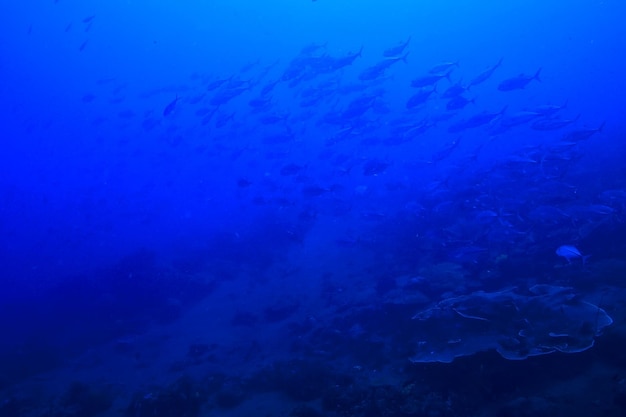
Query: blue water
[[410, 208]]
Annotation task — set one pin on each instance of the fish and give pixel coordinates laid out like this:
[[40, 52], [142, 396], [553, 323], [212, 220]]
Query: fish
[[126, 114], [428, 80], [485, 75], [519, 82], [261, 102], [358, 106], [396, 50], [277, 138], [249, 66], [549, 109], [338, 63], [445, 151], [314, 190], [214, 85], [243, 183], [458, 102], [443, 67], [584, 211], [374, 167], [519, 118], [223, 119], [476, 121], [170, 107], [570, 252], [269, 87], [379, 69], [552, 124], [273, 118], [419, 98], [454, 90], [291, 169], [582, 134], [88, 98], [224, 96], [312, 48]]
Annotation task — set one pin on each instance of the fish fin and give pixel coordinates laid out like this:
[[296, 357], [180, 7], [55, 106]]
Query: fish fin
[[536, 76]]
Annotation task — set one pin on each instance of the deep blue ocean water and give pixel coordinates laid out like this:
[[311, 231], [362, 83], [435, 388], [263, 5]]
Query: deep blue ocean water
[[312, 208]]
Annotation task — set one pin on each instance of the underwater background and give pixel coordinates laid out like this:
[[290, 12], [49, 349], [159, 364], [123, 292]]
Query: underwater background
[[312, 208]]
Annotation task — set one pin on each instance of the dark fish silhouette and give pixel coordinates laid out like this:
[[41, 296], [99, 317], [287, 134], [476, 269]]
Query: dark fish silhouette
[[485, 75], [429, 80], [443, 67], [374, 167], [519, 82], [553, 124], [457, 103], [170, 107], [396, 50], [419, 98], [582, 134]]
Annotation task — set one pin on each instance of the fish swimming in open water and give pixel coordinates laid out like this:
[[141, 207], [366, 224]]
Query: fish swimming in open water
[[170, 107], [519, 82], [570, 252]]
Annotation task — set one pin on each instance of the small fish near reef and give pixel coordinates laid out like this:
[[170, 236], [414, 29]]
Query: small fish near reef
[[570, 252]]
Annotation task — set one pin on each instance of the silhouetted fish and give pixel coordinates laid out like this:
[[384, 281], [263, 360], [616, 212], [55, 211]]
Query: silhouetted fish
[[519, 82], [396, 50], [582, 134], [443, 67], [552, 124], [430, 79], [170, 107], [374, 167], [458, 103], [485, 75]]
